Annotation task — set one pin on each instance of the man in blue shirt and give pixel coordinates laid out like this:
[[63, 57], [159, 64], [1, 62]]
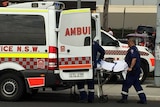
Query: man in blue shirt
[[98, 54], [133, 73]]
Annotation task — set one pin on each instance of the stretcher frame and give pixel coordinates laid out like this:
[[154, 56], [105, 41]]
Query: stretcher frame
[[100, 72]]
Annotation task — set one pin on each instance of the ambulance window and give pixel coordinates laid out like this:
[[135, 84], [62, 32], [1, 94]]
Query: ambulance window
[[57, 18], [106, 40], [22, 30], [93, 24]]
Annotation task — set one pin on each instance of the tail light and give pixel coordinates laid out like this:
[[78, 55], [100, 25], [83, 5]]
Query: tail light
[[52, 60]]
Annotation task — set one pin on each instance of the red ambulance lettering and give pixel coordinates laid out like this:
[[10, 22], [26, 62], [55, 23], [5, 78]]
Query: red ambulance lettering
[[77, 31], [34, 49], [73, 31], [26, 48], [19, 48], [6, 48]]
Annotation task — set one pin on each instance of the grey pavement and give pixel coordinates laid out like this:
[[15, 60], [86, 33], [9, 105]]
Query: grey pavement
[[113, 91]]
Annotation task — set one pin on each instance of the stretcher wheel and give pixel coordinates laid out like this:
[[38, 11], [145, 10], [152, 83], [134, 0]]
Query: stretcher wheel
[[103, 99]]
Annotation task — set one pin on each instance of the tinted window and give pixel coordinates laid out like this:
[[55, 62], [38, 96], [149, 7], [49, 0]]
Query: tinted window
[[106, 40], [147, 29], [22, 30], [87, 39]]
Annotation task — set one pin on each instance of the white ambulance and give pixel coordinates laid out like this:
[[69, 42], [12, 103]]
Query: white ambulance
[[42, 45], [115, 50]]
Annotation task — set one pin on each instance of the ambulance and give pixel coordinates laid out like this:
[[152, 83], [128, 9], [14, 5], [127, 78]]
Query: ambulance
[[43, 45], [116, 50]]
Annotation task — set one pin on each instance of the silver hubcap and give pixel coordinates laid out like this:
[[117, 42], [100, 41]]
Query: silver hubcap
[[9, 87]]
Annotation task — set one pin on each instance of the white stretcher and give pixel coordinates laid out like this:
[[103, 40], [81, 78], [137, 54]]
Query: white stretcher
[[109, 68]]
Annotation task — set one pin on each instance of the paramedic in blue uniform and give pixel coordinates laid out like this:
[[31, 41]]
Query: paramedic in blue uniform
[[98, 54], [133, 73]]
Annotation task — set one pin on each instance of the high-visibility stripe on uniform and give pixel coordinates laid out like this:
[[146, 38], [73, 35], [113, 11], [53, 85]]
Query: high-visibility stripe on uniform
[[22, 10], [81, 90], [76, 66], [23, 55], [91, 90], [140, 92], [125, 93], [75, 11]]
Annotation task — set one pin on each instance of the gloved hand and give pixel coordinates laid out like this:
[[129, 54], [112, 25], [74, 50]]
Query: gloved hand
[[98, 61]]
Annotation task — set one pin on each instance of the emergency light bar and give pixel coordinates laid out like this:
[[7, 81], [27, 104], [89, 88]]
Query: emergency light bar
[[58, 5]]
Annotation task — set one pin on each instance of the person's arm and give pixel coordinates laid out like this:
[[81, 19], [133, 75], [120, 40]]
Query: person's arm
[[101, 51], [133, 62]]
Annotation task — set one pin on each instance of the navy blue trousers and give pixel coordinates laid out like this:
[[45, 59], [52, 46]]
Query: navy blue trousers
[[132, 80], [83, 94]]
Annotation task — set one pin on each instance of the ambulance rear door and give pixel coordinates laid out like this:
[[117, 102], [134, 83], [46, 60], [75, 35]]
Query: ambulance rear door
[[74, 44]]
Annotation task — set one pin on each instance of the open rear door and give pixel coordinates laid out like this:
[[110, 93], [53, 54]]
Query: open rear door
[[74, 45]]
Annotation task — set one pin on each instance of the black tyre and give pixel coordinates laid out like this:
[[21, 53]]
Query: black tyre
[[144, 73], [11, 87]]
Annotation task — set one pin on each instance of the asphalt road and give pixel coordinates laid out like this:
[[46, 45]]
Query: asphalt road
[[51, 99], [62, 100]]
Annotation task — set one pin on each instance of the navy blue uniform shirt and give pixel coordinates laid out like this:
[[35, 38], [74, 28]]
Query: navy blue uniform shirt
[[133, 53], [96, 48]]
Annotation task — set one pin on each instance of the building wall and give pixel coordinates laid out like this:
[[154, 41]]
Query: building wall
[[131, 17], [131, 20]]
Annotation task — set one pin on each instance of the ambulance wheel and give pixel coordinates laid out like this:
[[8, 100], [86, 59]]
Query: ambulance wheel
[[103, 99], [144, 73], [11, 87]]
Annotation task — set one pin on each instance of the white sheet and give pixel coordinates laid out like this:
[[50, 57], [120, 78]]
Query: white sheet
[[116, 66]]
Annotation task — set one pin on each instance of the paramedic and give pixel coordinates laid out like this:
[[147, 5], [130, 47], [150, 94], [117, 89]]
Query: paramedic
[[132, 78], [97, 50]]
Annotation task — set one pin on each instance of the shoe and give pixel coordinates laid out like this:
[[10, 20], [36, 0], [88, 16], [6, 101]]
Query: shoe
[[122, 101], [82, 101], [90, 101], [142, 102]]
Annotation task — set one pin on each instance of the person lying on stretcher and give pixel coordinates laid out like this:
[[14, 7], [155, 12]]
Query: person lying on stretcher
[[115, 66]]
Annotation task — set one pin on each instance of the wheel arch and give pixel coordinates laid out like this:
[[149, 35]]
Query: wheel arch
[[145, 67], [144, 62], [11, 65]]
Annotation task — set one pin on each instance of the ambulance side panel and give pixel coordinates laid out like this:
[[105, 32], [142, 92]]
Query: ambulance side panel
[[26, 48], [74, 44]]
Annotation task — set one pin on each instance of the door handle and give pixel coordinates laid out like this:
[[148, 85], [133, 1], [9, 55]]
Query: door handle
[[68, 50]]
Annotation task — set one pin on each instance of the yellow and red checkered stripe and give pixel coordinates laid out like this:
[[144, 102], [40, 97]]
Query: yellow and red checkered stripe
[[27, 63], [122, 52], [75, 63], [74, 60], [32, 63]]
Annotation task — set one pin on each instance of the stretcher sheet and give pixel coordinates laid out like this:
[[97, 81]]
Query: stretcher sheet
[[116, 66]]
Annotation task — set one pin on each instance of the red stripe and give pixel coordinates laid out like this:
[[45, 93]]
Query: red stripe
[[78, 66]]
